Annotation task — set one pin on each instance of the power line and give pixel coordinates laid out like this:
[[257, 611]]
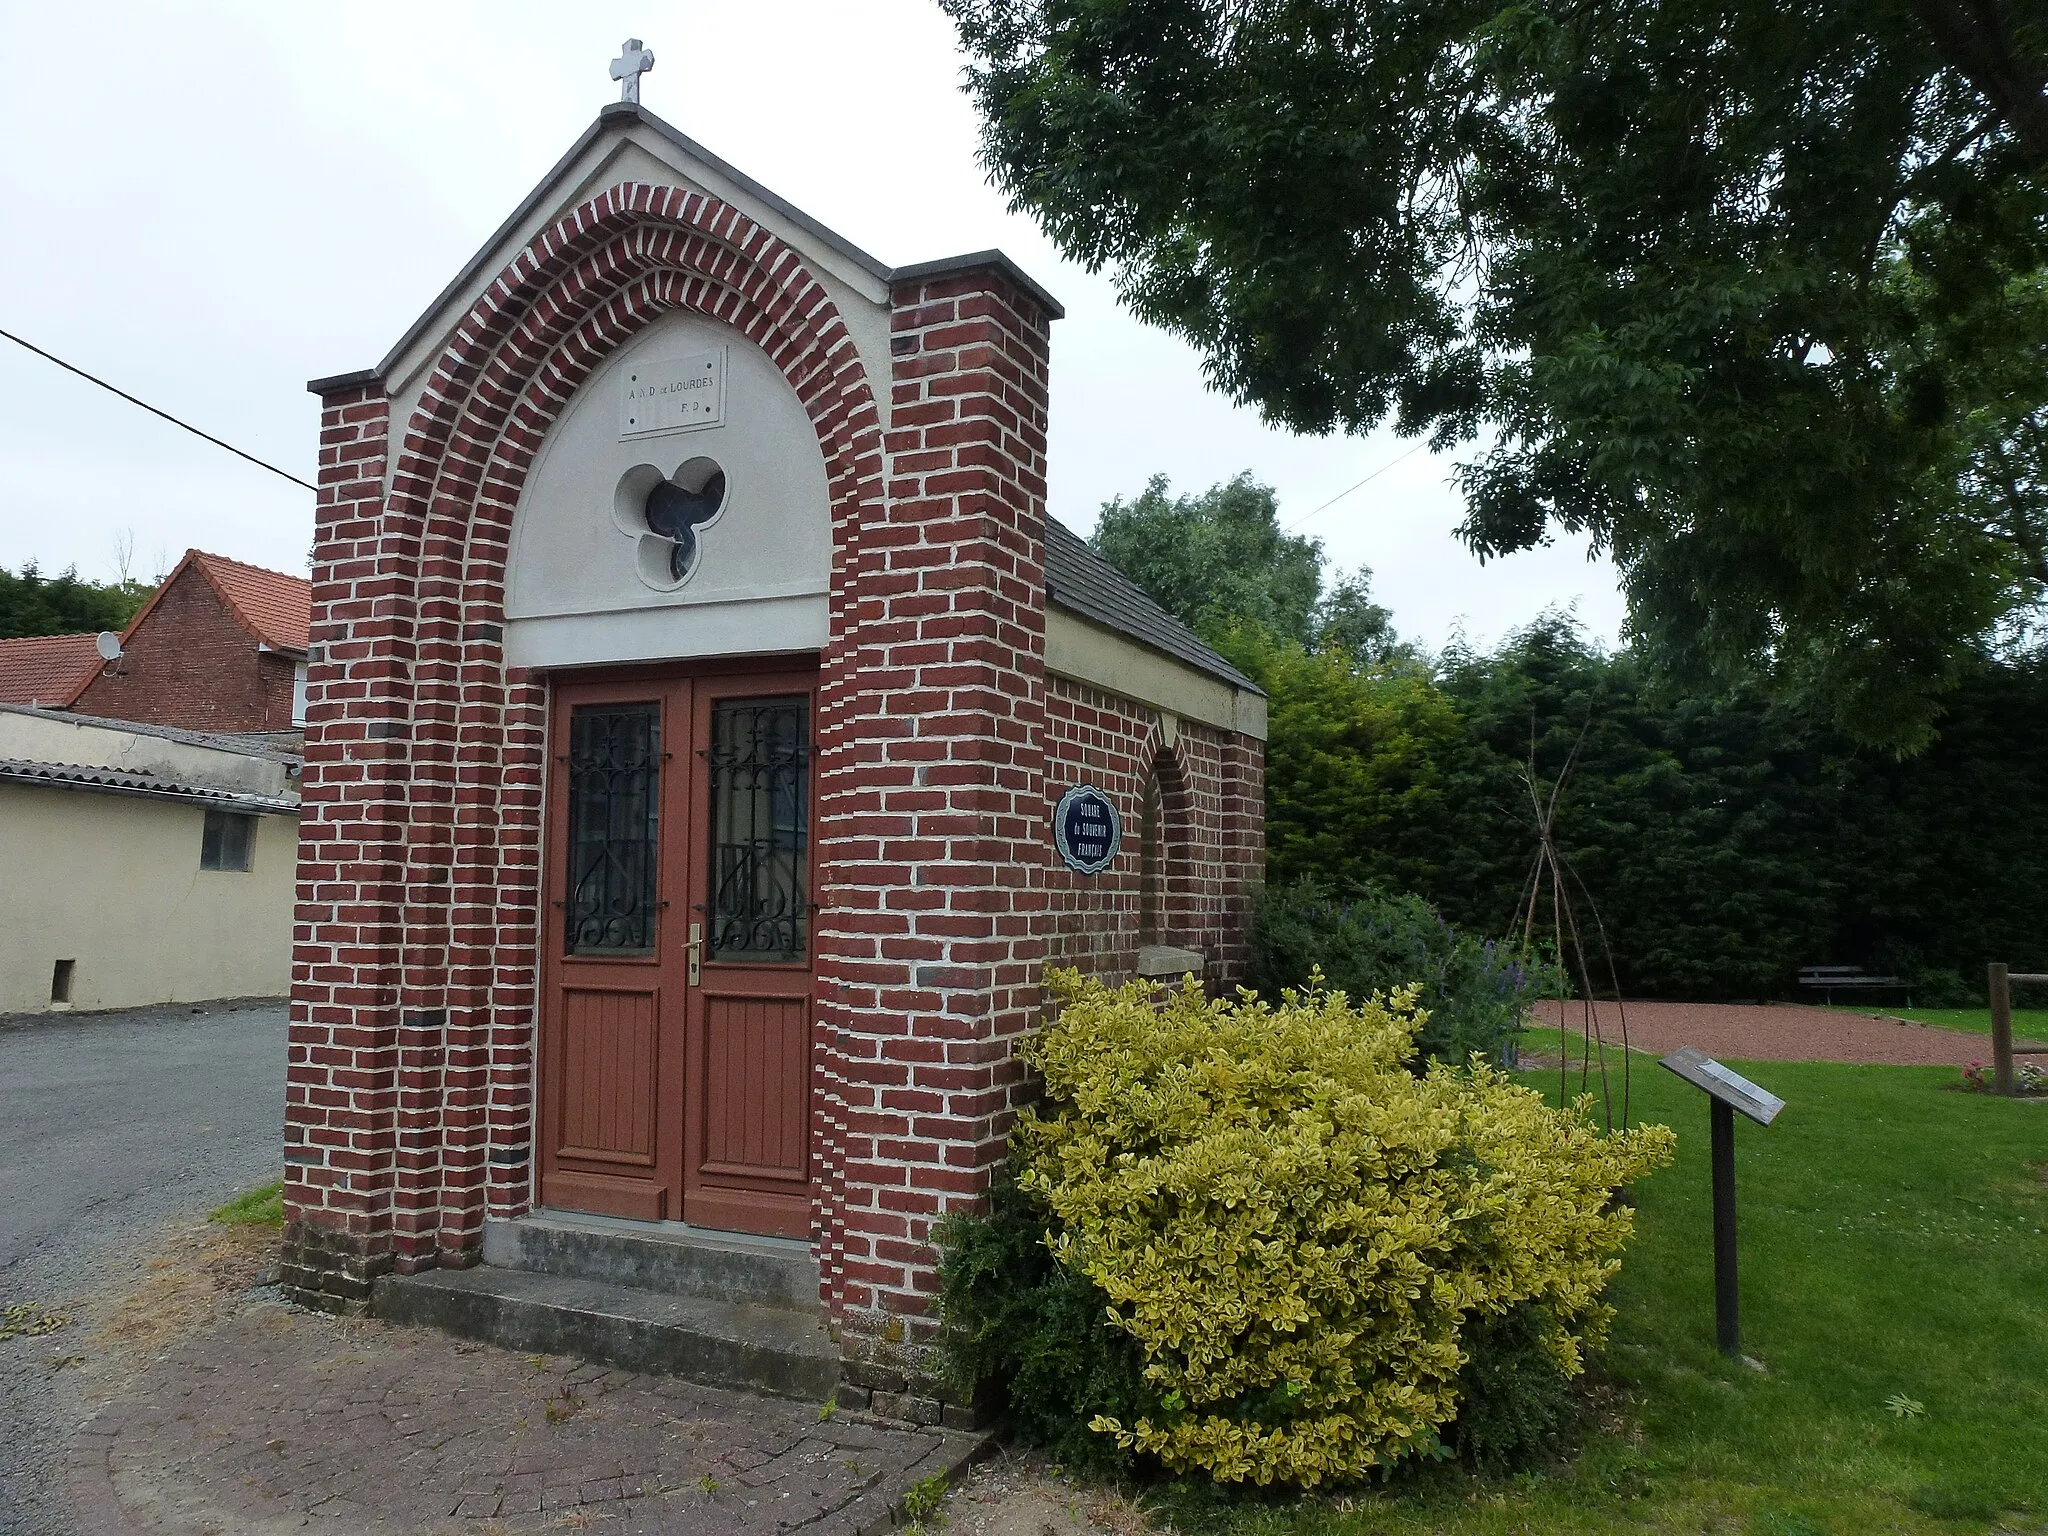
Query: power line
[[166, 415], [1349, 488]]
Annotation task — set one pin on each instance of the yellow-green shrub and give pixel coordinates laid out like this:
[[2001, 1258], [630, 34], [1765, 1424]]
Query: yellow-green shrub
[[1293, 1227]]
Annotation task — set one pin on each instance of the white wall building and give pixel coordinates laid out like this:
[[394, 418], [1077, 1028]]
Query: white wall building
[[141, 864]]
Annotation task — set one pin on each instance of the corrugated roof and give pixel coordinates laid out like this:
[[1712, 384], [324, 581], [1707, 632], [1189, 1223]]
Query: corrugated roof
[[265, 744], [1081, 581], [276, 608], [115, 781], [45, 669]]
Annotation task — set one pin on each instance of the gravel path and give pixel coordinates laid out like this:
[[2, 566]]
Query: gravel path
[[116, 1131], [1779, 1032]]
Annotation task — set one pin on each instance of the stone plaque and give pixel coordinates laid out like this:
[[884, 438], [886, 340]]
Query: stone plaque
[[672, 394], [1087, 830]]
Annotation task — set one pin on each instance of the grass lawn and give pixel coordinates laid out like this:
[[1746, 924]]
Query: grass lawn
[[2027, 1023], [259, 1207], [1891, 1244]]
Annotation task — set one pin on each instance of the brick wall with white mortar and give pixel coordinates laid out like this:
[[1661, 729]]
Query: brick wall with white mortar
[[1211, 836], [940, 740]]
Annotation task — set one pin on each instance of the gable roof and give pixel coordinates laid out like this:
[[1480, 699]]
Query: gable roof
[[273, 607], [46, 669], [1081, 581], [620, 118]]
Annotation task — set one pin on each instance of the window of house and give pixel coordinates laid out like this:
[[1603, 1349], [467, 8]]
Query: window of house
[[299, 694], [229, 841]]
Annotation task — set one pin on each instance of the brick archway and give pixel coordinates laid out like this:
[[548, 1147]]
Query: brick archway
[[1178, 913], [425, 754]]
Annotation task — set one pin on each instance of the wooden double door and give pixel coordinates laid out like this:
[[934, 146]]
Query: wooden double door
[[676, 975]]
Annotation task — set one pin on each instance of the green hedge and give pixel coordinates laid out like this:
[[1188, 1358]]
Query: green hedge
[[1724, 841]]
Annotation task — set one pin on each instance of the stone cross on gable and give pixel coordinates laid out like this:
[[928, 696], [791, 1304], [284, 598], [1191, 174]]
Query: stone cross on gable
[[634, 60]]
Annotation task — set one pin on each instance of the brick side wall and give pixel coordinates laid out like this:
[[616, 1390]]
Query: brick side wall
[[191, 664], [1212, 836]]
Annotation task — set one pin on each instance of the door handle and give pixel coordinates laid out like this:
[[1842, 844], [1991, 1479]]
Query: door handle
[[695, 951]]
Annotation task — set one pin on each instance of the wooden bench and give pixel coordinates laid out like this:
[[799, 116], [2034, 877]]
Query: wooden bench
[[1830, 979]]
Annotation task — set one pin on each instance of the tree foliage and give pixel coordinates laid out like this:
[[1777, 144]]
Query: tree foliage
[[34, 604], [1726, 837], [1357, 758], [1221, 560], [1751, 293]]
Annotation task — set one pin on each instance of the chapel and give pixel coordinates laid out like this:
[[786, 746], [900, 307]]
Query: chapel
[[711, 742]]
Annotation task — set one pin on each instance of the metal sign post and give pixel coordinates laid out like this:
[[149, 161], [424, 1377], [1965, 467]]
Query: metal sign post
[[1726, 1091]]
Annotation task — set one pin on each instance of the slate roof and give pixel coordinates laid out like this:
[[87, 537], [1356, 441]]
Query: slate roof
[[117, 781], [46, 669], [1081, 581]]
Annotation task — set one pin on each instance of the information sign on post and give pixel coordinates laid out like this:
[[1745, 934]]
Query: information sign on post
[[1727, 1091]]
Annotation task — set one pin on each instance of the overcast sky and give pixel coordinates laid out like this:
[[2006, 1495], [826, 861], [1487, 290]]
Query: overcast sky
[[209, 204]]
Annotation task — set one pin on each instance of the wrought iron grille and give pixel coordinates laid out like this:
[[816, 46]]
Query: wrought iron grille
[[614, 828], [759, 759]]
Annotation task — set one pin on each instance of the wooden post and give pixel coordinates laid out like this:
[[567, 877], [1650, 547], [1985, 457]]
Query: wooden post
[[1727, 1304], [2001, 1027]]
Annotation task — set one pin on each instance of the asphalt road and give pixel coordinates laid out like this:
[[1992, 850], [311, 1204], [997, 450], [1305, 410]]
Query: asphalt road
[[113, 1128]]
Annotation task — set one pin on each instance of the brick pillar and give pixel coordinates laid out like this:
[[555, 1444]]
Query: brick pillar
[[1243, 848], [341, 1081], [939, 891]]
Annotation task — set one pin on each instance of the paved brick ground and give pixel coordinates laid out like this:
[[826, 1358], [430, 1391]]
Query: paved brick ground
[[1780, 1032], [281, 1420]]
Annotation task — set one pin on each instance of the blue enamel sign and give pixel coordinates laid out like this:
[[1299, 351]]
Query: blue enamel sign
[[1087, 830]]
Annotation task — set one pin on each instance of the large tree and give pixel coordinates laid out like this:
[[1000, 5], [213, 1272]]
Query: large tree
[[1220, 560], [34, 604], [1751, 292]]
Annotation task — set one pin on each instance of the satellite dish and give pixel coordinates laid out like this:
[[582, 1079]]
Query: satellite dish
[[108, 645]]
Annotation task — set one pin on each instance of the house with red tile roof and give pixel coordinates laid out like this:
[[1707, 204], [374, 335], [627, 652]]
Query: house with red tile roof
[[46, 670], [220, 646]]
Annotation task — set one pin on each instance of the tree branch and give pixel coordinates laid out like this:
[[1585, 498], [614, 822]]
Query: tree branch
[[1976, 38], [2022, 532]]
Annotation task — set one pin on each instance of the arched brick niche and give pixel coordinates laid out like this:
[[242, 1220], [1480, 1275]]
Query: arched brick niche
[[1210, 787]]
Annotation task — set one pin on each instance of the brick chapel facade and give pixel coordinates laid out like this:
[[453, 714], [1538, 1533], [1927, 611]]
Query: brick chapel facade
[[705, 723]]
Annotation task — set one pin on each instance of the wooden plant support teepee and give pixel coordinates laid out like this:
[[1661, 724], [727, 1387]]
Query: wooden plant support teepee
[[1548, 894]]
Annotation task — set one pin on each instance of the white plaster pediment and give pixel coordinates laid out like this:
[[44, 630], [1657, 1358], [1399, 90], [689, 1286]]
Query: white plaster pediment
[[631, 146], [585, 584]]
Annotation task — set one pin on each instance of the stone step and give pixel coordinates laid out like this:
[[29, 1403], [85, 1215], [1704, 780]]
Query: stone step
[[761, 1349], [667, 1258]]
